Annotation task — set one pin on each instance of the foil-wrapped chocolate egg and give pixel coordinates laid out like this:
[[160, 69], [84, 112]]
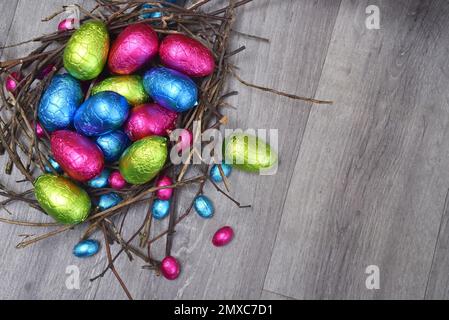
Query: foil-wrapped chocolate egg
[[101, 113], [66, 24], [108, 200], [87, 50], [215, 173], [134, 47], [59, 102], [56, 167], [171, 89], [223, 236], [186, 55], [170, 268], [131, 87], [203, 206], [62, 199], [46, 71], [143, 160], [116, 180], [160, 209], [249, 153], [152, 14], [100, 181], [113, 144], [86, 248], [39, 131], [79, 157], [149, 119], [164, 194], [12, 81]]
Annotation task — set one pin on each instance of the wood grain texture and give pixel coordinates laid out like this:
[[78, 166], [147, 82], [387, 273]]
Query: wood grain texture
[[371, 177]]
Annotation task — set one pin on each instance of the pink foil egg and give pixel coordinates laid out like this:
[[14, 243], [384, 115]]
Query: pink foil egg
[[223, 236], [149, 119], [39, 131], [116, 180], [185, 140], [12, 81], [170, 268], [186, 55], [45, 71], [78, 156], [134, 47], [164, 194], [66, 24]]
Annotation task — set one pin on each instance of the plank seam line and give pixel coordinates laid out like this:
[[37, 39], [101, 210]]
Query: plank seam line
[[10, 26], [279, 294]]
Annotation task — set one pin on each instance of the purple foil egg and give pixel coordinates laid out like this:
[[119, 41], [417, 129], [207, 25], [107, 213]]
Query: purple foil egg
[[116, 180], [149, 119], [66, 24], [46, 71], [134, 47], [164, 194], [79, 157], [12, 81], [39, 131], [170, 268], [186, 55], [223, 236]]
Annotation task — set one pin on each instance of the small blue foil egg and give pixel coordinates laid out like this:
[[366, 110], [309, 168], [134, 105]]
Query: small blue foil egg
[[113, 144], [101, 181], [203, 206], [156, 14], [86, 248], [108, 200], [59, 102], [160, 209], [55, 166], [171, 89], [215, 174], [102, 113]]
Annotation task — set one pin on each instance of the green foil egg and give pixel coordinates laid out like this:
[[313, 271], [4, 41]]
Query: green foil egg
[[248, 153], [87, 50], [62, 199], [131, 87], [143, 160]]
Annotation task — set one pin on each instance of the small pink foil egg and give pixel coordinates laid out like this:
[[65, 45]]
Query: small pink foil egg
[[78, 156], [185, 140], [66, 24], [149, 119], [170, 268], [45, 71], [12, 81], [223, 236], [39, 131], [186, 55], [164, 194], [116, 180], [134, 47]]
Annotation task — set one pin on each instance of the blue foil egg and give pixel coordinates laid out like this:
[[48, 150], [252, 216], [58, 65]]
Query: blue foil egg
[[113, 144], [215, 174], [160, 209], [55, 166], [101, 181], [86, 248], [108, 200], [59, 102], [203, 206], [103, 112], [171, 89], [156, 14]]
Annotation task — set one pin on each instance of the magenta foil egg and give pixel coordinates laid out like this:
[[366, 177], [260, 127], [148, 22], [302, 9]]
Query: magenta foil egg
[[66, 24], [134, 47], [46, 71], [223, 236], [170, 268], [185, 140], [149, 119], [39, 131], [186, 55], [116, 180], [164, 194], [78, 156], [12, 81]]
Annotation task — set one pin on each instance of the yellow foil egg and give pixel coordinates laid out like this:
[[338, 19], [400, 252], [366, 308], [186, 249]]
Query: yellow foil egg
[[87, 50], [131, 87], [62, 199]]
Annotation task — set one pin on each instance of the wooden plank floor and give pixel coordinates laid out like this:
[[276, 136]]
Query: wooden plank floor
[[362, 182]]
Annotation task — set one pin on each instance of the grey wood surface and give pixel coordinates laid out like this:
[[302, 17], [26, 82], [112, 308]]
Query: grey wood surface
[[362, 182]]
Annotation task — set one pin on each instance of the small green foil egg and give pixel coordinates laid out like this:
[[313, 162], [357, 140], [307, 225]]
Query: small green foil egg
[[62, 199], [131, 87], [87, 50], [143, 160], [248, 153]]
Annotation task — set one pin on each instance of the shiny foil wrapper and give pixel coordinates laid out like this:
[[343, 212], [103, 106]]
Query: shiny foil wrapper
[[164, 194], [108, 200], [78, 156], [86, 248], [87, 50], [100, 181], [223, 236], [186, 55], [113, 144], [215, 173], [171, 89], [116, 180], [59, 102], [149, 119], [134, 47], [101, 113], [203, 206], [131, 87], [160, 209], [170, 268], [62, 199]]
